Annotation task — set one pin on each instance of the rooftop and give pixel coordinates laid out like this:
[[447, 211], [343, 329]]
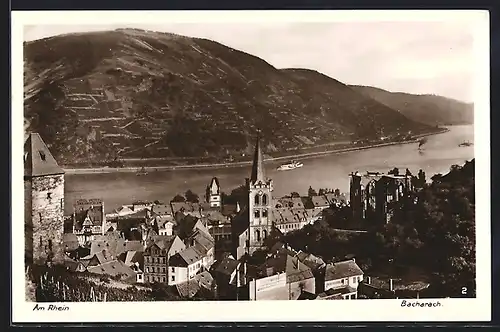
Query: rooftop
[[38, 161], [341, 270]]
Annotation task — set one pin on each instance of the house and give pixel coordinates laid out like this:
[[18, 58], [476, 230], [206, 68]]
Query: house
[[114, 268], [88, 219], [184, 265], [320, 202], [288, 220], [204, 244], [225, 273], [281, 277], [343, 277], [161, 209], [380, 288], [73, 265], [157, 255], [139, 273], [200, 286], [187, 208]]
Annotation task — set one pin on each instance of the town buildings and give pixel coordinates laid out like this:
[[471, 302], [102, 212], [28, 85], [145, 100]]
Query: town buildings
[[157, 255]]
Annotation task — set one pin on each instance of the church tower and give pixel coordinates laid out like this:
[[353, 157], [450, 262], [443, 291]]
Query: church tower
[[259, 202], [214, 194], [43, 203]]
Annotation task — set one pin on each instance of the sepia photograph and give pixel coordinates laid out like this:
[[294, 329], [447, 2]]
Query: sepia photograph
[[198, 161]]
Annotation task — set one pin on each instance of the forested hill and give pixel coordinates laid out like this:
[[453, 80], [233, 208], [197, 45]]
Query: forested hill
[[132, 93], [429, 109]]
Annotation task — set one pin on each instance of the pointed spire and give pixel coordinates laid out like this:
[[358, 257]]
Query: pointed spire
[[38, 161], [257, 167]]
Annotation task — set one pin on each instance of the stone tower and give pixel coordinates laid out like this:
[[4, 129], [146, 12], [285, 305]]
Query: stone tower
[[43, 203], [356, 196], [214, 194], [259, 203]]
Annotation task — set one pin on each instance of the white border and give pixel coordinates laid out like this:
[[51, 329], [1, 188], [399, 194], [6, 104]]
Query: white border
[[478, 309]]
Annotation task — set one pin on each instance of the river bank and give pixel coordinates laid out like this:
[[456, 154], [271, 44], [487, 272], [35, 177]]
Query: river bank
[[306, 155]]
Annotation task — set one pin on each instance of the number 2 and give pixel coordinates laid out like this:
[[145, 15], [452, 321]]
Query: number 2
[[464, 290]]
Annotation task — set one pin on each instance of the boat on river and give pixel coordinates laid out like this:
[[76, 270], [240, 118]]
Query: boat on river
[[290, 166], [466, 143]]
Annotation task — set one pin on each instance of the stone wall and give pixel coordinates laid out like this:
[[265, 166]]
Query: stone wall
[[47, 217], [28, 225]]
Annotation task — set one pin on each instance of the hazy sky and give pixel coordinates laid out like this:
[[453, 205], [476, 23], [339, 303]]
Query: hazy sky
[[414, 57]]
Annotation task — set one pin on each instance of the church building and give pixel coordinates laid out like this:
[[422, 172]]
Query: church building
[[254, 223]]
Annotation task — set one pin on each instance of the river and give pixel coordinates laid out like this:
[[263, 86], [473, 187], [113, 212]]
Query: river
[[330, 171]]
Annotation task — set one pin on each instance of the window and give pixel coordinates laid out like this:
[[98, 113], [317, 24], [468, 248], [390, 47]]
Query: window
[[264, 234], [342, 281], [257, 234], [147, 278], [264, 200], [257, 214], [163, 270], [173, 278], [354, 279], [42, 155], [172, 269], [147, 269], [359, 279], [49, 195], [264, 213], [256, 200], [153, 269], [162, 279]]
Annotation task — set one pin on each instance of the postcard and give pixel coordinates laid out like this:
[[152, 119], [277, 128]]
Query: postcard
[[184, 165]]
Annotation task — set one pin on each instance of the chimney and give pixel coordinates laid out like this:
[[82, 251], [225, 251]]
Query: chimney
[[391, 285]]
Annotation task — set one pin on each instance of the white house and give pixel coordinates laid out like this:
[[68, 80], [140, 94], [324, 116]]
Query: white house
[[343, 277]]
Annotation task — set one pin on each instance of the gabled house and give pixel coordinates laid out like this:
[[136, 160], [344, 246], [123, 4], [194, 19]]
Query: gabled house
[[281, 277], [88, 219], [343, 277], [157, 255], [184, 265], [200, 286]]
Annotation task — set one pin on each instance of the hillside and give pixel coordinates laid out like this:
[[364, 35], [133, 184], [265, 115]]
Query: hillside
[[429, 109], [129, 93]]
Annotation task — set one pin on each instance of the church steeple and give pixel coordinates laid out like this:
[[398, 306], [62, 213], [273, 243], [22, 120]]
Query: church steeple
[[257, 167]]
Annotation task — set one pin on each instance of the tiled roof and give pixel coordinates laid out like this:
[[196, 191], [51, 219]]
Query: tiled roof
[[341, 270], [112, 268], [191, 287], [185, 257], [161, 209], [38, 161], [319, 201], [227, 266]]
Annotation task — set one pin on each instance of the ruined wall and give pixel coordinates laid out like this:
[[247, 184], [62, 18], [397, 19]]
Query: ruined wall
[[47, 216]]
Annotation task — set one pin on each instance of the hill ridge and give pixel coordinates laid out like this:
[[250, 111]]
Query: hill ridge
[[102, 96]]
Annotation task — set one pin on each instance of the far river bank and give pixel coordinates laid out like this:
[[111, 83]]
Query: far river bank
[[135, 169]]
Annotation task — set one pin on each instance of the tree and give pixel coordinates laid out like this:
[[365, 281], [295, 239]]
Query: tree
[[311, 192], [191, 196], [178, 199], [295, 194], [337, 192]]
